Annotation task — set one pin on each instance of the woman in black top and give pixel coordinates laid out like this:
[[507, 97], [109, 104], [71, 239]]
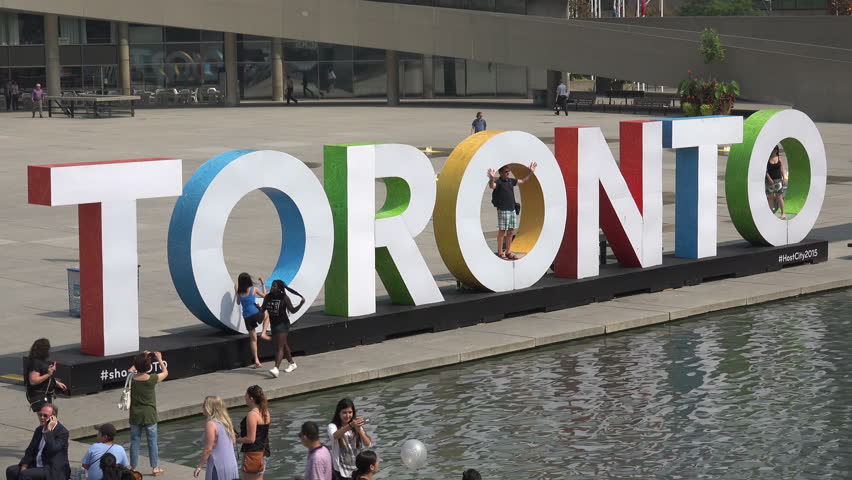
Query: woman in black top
[[112, 470], [366, 465], [254, 434], [39, 380], [775, 181], [277, 304]]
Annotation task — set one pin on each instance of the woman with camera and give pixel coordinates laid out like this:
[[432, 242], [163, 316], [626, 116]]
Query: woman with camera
[[143, 407], [347, 438], [39, 379]]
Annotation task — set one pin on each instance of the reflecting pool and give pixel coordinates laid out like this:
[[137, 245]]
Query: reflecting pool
[[763, 392]]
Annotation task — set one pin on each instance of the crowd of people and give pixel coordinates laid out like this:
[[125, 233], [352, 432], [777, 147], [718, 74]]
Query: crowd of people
[[345, 455], [46, 457]]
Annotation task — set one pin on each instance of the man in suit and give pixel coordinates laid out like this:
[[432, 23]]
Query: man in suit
[[46, 458]]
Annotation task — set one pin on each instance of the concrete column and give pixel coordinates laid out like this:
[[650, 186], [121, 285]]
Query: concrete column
[[428, 77], [277, 70], [124, 58], [232, 88], [392, 67], [51, 54]]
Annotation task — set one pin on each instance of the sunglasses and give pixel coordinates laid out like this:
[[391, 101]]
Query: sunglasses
[[43, 415]]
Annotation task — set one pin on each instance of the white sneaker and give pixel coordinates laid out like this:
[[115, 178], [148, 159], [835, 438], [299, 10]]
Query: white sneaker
[[290, 368], [274, 371]]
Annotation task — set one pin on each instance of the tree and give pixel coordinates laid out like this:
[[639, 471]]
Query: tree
[[711, 47], [717, 8], [840, 7]]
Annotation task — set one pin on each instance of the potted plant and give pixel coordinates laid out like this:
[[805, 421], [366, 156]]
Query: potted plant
[[725, 95], [688, 92]]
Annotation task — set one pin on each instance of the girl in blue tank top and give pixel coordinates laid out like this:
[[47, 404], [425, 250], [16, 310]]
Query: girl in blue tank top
[[246, 295]]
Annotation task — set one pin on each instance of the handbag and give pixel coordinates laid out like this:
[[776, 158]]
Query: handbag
[[253, 462], [124, 400], [43, 397]]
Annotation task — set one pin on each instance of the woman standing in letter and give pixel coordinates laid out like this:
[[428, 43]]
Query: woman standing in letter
[[775, 181], [252, 316]]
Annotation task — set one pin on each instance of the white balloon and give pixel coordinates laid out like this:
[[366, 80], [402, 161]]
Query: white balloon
[[413, 454]]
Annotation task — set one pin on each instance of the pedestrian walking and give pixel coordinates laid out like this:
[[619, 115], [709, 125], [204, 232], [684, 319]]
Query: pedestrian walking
[[306, 92], [218, 443], [290, 91], [246, 296], [7, 94], [318, 465], [347, 438], [561, 98], [332, 78], [16, 92], [503, 198], [277, 306], [37, 97], [143, 407], [478, 124], [39, 378], [254, 434]]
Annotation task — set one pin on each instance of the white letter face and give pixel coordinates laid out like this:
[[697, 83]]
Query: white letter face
[[196, 260], [745, 178], [631, 198], [106, 193], [410, 183], [458, 231], [697, 140]]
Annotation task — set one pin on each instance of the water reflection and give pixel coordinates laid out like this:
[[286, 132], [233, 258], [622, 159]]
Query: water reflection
[[758, 393]]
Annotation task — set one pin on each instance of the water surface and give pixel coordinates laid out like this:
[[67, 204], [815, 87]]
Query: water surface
[[757, 393]]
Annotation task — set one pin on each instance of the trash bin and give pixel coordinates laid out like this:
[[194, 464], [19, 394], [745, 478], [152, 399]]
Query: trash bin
[[539, 98], [74, 289], [74, 292]]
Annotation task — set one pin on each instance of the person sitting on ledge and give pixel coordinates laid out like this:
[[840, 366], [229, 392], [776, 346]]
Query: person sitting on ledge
[[46, 458], [92, 460]]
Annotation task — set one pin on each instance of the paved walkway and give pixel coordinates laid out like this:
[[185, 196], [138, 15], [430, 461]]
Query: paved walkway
[[39, 243]]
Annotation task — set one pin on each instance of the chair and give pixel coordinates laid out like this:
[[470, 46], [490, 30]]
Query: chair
[[213, 95], [166, 95]]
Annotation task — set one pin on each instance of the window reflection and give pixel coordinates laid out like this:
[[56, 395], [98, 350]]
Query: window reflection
[[30, 29]]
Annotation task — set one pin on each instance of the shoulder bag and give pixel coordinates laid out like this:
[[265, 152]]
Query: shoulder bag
[[124, 400]]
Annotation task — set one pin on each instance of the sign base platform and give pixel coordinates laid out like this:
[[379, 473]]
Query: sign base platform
[[200, 350]]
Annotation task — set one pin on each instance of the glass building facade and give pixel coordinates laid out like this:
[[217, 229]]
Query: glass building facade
[[168, 57]]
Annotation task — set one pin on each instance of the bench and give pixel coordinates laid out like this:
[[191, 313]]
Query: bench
[[660, 102], [92, 105], [582, 98]]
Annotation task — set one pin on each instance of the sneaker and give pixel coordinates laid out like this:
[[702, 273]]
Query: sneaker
[[290, 368], [274, 372]]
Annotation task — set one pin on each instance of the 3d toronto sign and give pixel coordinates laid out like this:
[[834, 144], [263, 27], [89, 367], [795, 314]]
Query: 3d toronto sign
[[332, 236]]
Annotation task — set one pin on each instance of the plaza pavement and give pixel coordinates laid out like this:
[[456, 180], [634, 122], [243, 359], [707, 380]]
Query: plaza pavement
[[39, 243]]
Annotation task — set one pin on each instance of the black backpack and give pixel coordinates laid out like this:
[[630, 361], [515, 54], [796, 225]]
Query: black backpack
[[494, 197]]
